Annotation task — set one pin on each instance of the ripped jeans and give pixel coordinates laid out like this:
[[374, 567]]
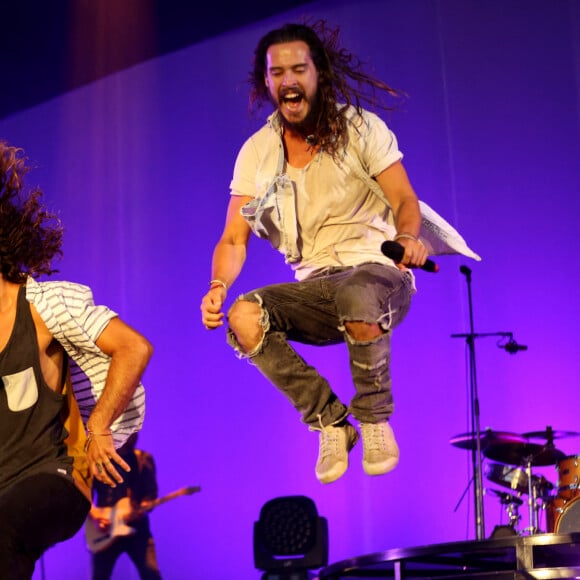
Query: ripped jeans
[[314, 311]]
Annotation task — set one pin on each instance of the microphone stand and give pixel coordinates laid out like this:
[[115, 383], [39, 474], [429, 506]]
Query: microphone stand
[[474, 403], [476, 451]]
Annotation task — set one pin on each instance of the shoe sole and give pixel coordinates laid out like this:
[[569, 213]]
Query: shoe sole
[[381, 468]]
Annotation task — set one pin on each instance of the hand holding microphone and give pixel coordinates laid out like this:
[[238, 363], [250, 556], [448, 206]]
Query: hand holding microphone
[[396, 251]]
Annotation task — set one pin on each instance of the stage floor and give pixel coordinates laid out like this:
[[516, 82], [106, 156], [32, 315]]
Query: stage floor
[[540, 556]]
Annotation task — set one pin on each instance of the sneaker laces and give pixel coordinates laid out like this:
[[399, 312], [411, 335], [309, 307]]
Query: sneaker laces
[[328, 439], [373, 436]]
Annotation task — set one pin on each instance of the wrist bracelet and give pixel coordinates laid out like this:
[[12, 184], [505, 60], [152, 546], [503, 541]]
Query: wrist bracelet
[[91, 434], [405, 235], [216, 282]]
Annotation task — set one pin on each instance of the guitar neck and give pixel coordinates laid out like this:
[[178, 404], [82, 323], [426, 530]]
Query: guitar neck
[[173, 495]]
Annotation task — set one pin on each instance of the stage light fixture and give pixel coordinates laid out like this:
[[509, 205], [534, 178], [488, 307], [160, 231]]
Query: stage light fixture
[[290, 539]]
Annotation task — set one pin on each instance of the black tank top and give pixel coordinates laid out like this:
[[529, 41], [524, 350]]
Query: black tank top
[[31, 414]]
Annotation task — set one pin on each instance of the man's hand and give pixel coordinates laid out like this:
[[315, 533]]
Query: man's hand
[[415, 253], [102, 457], [211, 308], [100, 520]]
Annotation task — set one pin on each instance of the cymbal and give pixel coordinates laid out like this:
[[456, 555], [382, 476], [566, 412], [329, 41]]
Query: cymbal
[[516, 478], [522, 453], [550, 434], [507, 498], [487, 437]]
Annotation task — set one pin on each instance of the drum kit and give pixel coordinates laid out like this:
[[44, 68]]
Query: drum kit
[[511, 461]]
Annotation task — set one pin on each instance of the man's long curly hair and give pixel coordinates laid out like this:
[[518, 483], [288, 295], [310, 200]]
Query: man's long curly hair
[[341, 79], [30, 235]]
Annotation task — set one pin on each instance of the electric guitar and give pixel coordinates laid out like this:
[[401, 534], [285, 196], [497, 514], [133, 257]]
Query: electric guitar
[[120, 515]]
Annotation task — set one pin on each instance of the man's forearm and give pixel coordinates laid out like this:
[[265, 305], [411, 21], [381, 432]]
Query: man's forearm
[[127, 367]]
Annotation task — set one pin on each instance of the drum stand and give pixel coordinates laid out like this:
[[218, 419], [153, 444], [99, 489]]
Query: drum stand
[[511, 504], [546, 456], [532, 499], [512, 512]]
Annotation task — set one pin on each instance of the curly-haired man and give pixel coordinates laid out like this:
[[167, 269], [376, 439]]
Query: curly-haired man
[[63, 362]]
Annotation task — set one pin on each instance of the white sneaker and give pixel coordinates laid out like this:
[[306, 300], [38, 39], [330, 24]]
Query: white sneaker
[[381, 452], [335, 444]]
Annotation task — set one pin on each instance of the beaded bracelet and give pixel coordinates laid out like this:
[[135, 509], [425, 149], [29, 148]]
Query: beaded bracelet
[[408, 236], [216, 282]]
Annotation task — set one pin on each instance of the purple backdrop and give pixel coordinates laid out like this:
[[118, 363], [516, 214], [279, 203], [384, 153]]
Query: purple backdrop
[[139, 165]]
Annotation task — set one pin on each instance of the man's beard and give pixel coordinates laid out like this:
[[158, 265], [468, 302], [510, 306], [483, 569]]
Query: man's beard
[[308, 125]]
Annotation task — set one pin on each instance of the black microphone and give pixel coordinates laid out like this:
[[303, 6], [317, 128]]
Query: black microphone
[[466, 272], [396, 252], [512, 346]]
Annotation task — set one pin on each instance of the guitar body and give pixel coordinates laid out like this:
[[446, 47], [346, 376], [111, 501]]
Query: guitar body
[[98, 539]]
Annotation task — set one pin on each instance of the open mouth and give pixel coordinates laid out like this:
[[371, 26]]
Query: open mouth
[[292, 97]]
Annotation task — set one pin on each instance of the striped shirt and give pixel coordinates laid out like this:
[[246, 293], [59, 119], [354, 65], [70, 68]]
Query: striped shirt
[[71, 316]]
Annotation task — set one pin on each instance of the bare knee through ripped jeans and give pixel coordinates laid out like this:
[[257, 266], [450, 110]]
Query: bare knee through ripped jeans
[[315, 311]]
